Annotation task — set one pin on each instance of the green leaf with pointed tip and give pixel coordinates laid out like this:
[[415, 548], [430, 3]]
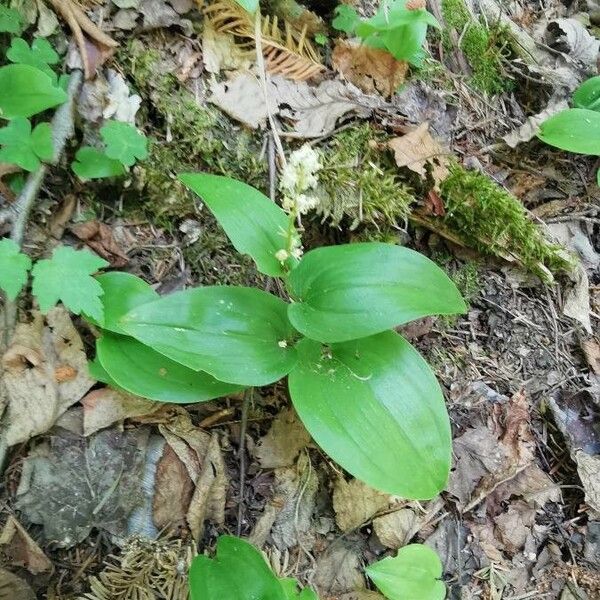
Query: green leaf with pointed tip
[[290, 588], [413, 574], [575, 130], [26, 91], [40, 55], [10, 20], [346, 18], [67, 278], [376, 408], [238, 571], [255, 225], [144, 372], [587, 95], [122, 292], [98, 372], [23, 147], [124, 142], [14, 266], [238, 335], [351, 291], [90, 163]]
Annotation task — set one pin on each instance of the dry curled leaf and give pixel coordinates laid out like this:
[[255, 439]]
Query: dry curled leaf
[[370, 69], [355, 503], [99, 237], [19, 550]]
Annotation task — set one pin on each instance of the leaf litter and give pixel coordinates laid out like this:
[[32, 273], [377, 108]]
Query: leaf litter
[[511, 521]]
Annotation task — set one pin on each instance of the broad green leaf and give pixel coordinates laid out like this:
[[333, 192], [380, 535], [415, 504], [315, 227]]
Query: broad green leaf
[[376, 408], [10, 20], [122, 292], [67, 278], [14, 266], [346, 18], [248, 5], [587, 95], [255, 225], [40, 55], [23, 147], [574, 130], [290, 589], [238, 572], [98, 372], [238, 335], [144, 372], [124, 142], [92, 164], [351, 291], [413, 574], [26, 91]]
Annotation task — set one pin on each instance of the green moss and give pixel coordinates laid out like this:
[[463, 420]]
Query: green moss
[[358, 182], [482, 46], [491, 220]]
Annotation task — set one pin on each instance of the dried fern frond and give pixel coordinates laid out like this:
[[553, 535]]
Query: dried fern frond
[[146, 570], [287, 51]]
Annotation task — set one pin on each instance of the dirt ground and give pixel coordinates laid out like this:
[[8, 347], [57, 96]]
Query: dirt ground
[[115, 492]]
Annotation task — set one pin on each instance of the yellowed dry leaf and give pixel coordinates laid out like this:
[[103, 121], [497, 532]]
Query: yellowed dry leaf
[[370, 69], [417, 149], [220, 52], [355, 503], [397, 528], [36, 396]]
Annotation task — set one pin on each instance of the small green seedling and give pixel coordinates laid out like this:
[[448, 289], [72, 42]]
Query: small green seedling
[[395, 27], [239, 572], [40, 55], [22, 146], [364, 393], [65, 277], [413, 574], [10, 20], [577, 129]]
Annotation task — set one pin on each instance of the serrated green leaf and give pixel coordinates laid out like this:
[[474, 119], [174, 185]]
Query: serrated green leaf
[[10, 20], [587, 95], [124, 142], [575, 130], [90, 163], [346, 18], [14, 266], [122, 292], [26, 91], [376, 408], [238, 335], [40, 55], [22, 147], [255, 225], [144, 372], [67, 278], [350, 291], [237, 572], [248, 5], [413, 574]]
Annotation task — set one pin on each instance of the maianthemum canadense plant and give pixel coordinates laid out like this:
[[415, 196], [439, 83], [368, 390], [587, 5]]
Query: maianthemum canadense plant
[[364, 393]]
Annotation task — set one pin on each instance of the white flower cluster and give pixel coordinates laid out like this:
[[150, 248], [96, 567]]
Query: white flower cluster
[[298, 177]]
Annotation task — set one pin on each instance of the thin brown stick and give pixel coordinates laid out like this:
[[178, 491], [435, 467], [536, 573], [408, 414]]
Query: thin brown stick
[[242, 456]]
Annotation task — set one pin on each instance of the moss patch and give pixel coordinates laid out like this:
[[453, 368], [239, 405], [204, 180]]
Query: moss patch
[[359, 183], [483, 47], [494, 222]]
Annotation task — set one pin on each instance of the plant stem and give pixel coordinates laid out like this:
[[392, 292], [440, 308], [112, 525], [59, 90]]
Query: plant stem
[[248, 394]]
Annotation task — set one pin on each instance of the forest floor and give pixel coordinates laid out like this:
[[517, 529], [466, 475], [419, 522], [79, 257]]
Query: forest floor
[[113, 492]]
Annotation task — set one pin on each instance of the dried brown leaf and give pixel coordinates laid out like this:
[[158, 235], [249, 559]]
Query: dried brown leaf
[[355, 503], [19, 550], [370, 69], [397, 528], [34, 368], [13, 587], [99, 237]]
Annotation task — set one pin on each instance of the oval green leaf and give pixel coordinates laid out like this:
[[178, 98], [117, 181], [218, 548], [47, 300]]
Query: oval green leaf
[[587, 95], [413, 574], [255, 225], [355, 290], [238, 572], [26, 91], [376, 408], [122, 293], [90, 163], [142, 371], [239, 335], [575, 130]]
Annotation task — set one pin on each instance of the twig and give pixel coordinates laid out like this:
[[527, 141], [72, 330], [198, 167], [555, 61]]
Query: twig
[[242, 456], [18, 212], [260, 63]]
